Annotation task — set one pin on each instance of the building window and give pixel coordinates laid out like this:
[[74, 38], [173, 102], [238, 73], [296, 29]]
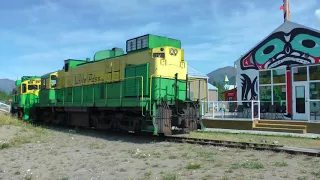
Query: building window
[[299, 74], [265, 77], [265, 95], [279, 76], [279, 95], [314, 72], [272, 87], [315, 90]]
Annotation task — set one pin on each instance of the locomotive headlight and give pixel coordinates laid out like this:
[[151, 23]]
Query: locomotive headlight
[[173, 52]]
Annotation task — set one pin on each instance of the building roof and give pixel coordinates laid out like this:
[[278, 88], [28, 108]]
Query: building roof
[[195, 73], [285, 27], [212, 87], [229, 87]]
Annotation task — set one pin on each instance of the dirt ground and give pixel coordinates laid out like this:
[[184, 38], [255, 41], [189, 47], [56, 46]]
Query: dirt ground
[[59, 153]]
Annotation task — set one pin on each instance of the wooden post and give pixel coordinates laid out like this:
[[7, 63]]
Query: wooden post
[[286, 11]]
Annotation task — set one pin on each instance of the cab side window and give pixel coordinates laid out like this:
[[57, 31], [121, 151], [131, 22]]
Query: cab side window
[[24, 88], [53, 81], [43, 83]]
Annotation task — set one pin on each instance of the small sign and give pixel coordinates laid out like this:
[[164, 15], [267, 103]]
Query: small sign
[[10, 100]]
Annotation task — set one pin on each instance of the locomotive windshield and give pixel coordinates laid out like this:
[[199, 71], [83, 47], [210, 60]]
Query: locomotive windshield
[[32, 87]]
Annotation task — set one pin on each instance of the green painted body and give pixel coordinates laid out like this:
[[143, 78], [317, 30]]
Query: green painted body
[[47, 97], [158, 41], [126, 93], [119, 94], [107, 54]]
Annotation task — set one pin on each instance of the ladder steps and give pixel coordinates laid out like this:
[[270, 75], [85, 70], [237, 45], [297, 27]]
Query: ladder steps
[[280, 126], [289, 126], [281, 130]]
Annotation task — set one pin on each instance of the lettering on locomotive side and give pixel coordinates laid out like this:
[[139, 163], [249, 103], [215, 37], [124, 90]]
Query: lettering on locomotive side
[[80, 79], [93, 78]]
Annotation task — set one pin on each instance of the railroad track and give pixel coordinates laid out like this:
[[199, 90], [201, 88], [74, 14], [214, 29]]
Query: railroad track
[[222, 143], [245, 145]]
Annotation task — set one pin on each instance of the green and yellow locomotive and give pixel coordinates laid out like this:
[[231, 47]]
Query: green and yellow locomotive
[[25, 96], [144, 89]]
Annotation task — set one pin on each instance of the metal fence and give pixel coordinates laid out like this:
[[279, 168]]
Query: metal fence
[[231, 109], [4, 107], [313, 110]]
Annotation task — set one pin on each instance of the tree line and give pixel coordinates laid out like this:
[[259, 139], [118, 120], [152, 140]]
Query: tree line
[[4, 97], [221, 89]]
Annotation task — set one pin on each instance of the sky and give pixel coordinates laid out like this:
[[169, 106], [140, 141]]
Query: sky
[[36, 36]]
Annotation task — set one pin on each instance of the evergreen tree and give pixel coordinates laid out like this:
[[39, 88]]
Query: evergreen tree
[[220, 90], [4, 97]]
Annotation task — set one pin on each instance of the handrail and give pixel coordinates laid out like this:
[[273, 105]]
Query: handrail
[[253, 103], [150, 92]]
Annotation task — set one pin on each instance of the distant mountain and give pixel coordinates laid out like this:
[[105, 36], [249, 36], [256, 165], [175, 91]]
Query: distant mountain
[[7, 85], [219, 75]]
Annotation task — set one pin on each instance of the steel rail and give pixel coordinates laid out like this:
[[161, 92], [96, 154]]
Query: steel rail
[[245, 145]]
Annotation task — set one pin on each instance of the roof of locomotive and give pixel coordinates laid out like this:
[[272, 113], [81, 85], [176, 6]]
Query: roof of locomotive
[[48, 74]]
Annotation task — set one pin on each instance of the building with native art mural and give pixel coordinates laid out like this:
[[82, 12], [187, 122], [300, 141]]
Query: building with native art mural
[[283, 71]]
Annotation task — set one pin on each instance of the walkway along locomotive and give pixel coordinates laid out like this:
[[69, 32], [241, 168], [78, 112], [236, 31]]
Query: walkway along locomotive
[[145, 89]]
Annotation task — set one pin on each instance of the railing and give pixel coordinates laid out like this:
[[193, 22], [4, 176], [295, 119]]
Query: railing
[[313, 110], [4, 107], [231, 109]]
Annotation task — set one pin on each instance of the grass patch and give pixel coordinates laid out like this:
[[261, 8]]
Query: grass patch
[[169, 176], [255, 138], [138, 154], [316, 174], [249, 164], [27, 132], [148, 174], [4, 145], [280, 164], [302, 178], [96, 145], [193, 166]]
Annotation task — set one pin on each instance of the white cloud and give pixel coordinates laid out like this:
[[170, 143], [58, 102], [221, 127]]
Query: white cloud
[[235, 32], [317, 13], [216, 31], [138, 9]]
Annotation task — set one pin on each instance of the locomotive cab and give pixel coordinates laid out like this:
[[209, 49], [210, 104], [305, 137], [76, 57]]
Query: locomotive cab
[[48, 84]]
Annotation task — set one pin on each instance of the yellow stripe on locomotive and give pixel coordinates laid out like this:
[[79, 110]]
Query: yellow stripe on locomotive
[[163, 62]]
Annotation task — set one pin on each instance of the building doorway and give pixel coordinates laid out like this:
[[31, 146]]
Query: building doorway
[[300, 105]]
